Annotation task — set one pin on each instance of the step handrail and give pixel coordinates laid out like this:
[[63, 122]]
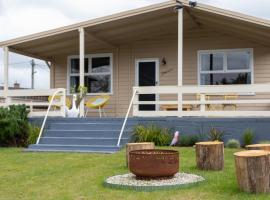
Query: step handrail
[[126, 117], [48, 110]]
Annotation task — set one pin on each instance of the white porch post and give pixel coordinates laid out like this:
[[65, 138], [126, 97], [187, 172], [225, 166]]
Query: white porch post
[[6, 63], [82, 53], [180, 58]]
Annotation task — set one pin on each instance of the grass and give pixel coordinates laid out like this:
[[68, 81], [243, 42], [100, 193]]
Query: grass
[[72, 176]]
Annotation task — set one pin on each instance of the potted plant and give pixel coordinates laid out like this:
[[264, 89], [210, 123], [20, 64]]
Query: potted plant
[[78, 96]]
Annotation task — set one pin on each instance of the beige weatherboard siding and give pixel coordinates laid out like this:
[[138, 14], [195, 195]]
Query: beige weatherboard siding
[[194, 41], [151, 32]]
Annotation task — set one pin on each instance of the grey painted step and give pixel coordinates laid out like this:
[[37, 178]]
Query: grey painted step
[[74, 148], [120, 120], [86, 126], [81, 133], [81, 141], [88, 123], [71, 151]]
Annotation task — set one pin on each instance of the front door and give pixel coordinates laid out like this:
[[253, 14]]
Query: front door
[[147, 75]]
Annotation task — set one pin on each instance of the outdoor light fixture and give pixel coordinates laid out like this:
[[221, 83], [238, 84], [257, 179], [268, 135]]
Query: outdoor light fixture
[[180, 5], [163, 61], [192, 4]]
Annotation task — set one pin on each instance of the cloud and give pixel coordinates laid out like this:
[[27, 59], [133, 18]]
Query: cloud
[[30, 20], [1, 8], [34, 16], [258, 8]]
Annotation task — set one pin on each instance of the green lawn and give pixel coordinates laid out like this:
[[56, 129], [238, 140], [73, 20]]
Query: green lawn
[[64, 176]]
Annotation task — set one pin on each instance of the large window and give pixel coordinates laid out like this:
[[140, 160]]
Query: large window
[[98, 73], [225, 67]]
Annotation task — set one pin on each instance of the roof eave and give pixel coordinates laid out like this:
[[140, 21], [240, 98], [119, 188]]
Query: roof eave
[[134, 12]]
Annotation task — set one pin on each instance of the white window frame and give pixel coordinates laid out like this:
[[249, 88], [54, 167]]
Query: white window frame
[[90, 56], [225, 67]]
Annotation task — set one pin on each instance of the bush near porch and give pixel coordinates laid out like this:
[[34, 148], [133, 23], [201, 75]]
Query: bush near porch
[[74, 176], [15, 130], [152, 133]]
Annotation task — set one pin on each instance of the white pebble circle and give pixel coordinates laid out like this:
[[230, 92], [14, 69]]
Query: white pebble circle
[[130, 181]]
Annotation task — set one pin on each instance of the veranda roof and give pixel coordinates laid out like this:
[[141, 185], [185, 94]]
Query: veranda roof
[[152, 22]]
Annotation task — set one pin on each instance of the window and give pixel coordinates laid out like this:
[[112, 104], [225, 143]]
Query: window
[[98, 73], [225, 67]]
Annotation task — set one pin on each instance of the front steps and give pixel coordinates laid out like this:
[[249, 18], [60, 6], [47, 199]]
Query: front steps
[[95, 135]]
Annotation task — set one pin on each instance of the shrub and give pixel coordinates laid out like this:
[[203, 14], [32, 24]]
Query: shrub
[[152, 133], [215, 135], [264, 142], [233, 144], [248, 137], [33, 134], [13, 126], [188, 140]]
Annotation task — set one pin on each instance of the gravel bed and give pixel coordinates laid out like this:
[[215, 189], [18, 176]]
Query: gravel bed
[[130, 181]]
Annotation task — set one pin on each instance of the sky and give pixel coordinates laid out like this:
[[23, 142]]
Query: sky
[[23, 17]]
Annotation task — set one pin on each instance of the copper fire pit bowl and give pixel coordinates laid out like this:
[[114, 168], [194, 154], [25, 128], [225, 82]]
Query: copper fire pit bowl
[[154, 163]]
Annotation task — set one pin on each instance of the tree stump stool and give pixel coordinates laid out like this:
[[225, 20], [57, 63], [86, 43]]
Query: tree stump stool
[[265, 147], [253, 170], [210, 155], [137, 146]]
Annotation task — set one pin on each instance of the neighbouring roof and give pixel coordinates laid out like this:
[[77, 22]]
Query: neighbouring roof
[[120, 28]]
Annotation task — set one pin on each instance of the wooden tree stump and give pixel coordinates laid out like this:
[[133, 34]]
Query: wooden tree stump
[[253, 170], [210, 155], [137, 146], [265, 147]]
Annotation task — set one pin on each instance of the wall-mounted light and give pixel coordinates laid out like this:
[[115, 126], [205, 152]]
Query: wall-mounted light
[[192, 3], [163, 61]]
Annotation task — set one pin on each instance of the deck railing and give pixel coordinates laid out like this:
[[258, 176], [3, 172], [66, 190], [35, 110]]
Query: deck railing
[[247, 104], [37, 107]]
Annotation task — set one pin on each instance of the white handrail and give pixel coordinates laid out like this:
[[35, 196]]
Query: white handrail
[[126, 117], [47, 113]]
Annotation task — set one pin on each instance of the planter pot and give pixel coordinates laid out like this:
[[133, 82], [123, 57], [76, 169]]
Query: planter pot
[[154, 163]]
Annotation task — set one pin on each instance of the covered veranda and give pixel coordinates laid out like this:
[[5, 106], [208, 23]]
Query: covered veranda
[[155, 22]]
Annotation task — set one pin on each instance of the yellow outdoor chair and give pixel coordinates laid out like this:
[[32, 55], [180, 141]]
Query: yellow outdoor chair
[[97, 102], [58, 98]]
